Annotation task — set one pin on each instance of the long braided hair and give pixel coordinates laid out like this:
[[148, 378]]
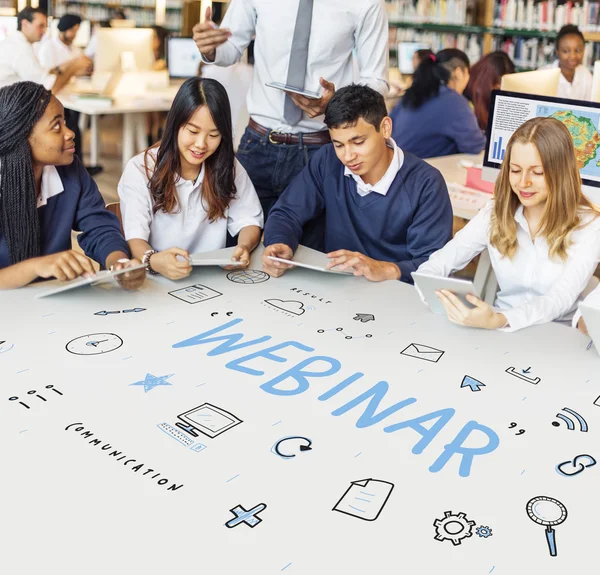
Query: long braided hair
[[21, 106]]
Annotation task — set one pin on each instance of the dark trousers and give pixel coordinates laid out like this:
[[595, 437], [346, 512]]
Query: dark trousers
[[72, 122], [271, 168]]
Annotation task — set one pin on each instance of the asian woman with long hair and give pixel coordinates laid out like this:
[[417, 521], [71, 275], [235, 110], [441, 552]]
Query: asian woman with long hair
[[183, 195], [541, 232]]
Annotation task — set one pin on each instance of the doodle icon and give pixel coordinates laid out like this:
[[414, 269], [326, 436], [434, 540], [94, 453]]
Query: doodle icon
[[248, 277], [287, 451], [94, 344], [453, 527], [4, 346], [484, 532], [195, 294], [346, 336], [471, 382], [576, 466], [548, 512], [207, 419], [365, 498], [152, 381], [364, 317], [289, 307], [524, 375], [424, 352], [250, 517], [513, 425], [583, 426]]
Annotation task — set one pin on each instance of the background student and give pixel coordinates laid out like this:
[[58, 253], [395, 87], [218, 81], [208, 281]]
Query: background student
[[420, 55], [541, 232], [45, 193], [433, 118], [385, 210], [575, 79], [307, 44], [155, 120], [18, 61], [185, 194], [486, 75]]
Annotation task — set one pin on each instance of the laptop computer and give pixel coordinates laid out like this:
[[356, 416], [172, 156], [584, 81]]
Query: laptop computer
[[591, 315]]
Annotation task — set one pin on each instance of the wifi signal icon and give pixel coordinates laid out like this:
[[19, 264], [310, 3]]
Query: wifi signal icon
[[583, 426]]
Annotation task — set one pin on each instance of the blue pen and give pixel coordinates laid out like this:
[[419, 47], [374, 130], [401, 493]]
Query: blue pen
[[590, 344]]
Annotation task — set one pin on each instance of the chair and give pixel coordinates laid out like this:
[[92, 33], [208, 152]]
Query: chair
[[115, 208]]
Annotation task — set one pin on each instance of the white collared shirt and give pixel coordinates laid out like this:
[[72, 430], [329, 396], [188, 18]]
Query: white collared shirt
[[338, 28], [53, 52], [188, 228], [534, 289], [579, 89], [51, 185], [383, 185], [18, 63]]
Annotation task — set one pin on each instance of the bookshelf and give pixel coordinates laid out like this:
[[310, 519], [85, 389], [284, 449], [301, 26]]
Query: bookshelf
[[143, 12], [525, 29]]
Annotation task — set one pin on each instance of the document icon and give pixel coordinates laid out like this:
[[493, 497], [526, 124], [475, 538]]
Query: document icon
[[365, 498], [420, 351]]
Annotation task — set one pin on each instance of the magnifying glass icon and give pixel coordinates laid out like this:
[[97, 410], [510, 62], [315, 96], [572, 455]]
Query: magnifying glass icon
[[549, 512]]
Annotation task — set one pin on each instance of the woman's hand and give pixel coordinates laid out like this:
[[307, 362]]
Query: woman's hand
[[129, 281], [241, 254], [173, 263], [482, 315], [63, 266]]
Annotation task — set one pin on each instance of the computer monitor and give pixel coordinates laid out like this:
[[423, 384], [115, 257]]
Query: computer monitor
[[120, 23], [540, 82], [508, 110], [183, 57], [116, 45], [406, 51], [8, 25]]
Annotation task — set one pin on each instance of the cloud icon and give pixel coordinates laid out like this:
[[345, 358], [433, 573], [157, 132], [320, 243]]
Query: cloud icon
[[289, 306]]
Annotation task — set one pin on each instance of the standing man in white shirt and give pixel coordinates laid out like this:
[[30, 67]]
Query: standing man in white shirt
[[307, 44], [19, 63]]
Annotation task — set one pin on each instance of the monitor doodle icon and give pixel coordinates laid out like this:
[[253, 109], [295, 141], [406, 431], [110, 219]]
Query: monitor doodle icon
[[207, 419]]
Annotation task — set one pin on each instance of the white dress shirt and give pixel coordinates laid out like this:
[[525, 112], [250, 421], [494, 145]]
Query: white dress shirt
[[579, 89], [18, 63], [53, 52], [383, 185], [534, 289], [188, 228], [51, 185], [338, 28]]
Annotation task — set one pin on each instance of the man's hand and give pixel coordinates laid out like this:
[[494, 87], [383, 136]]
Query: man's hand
[[277, 269], [582, 327], [482, 315], [240, 254], [83, 65], [208, 37], [63, 266], [173, 263], [132, 280], [361, 265], [312, 107]]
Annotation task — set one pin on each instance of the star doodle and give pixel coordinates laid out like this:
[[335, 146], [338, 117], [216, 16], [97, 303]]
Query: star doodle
[[152, 381]]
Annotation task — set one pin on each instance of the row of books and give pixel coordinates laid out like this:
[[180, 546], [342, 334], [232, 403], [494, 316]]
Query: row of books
[[141, 16], [533, 53], [456, 12], [470, 44], [547, 15]]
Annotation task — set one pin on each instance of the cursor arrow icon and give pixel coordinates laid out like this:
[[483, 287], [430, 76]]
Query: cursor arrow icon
[[526, 370], [471, 382], [364, 317]]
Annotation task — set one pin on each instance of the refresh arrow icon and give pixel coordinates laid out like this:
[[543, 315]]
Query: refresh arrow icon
[[305, 446]]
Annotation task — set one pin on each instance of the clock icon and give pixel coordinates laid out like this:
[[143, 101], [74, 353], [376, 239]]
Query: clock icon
[[94, 344]]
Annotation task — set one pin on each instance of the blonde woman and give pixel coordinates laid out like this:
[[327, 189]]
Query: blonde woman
[[542, 234]]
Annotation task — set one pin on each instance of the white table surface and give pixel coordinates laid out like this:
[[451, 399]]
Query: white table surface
[[71, 506]]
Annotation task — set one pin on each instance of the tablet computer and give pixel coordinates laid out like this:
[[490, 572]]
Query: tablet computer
[[285, 87], [591, 315], [311, 266], [428, 284]]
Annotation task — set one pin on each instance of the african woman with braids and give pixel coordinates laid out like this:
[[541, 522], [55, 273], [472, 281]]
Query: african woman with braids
[[183, 195], [44, 194]]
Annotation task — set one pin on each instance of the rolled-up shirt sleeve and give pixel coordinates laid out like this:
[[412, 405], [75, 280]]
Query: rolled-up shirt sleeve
[[245, 209], [136, 203]]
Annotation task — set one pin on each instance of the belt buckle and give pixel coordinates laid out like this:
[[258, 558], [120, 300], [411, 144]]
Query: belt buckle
[[271, 133]]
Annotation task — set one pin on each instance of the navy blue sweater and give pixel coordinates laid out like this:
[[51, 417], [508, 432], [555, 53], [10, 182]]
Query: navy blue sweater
[[443, 125], [408, 224], [79, 207]]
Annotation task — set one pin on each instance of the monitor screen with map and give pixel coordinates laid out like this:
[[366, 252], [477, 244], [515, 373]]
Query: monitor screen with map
[[508, 110]]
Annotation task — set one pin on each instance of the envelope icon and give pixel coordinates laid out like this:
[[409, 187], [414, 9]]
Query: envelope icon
[[420, 351]]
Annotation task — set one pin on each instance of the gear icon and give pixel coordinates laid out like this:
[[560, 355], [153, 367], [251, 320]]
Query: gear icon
[[454, 527], [484, 532]]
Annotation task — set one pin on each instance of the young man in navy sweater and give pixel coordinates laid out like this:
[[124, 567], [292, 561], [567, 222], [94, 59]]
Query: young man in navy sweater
[[385, 211]]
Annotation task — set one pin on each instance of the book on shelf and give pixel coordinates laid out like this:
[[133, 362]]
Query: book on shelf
[[454, 12]]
